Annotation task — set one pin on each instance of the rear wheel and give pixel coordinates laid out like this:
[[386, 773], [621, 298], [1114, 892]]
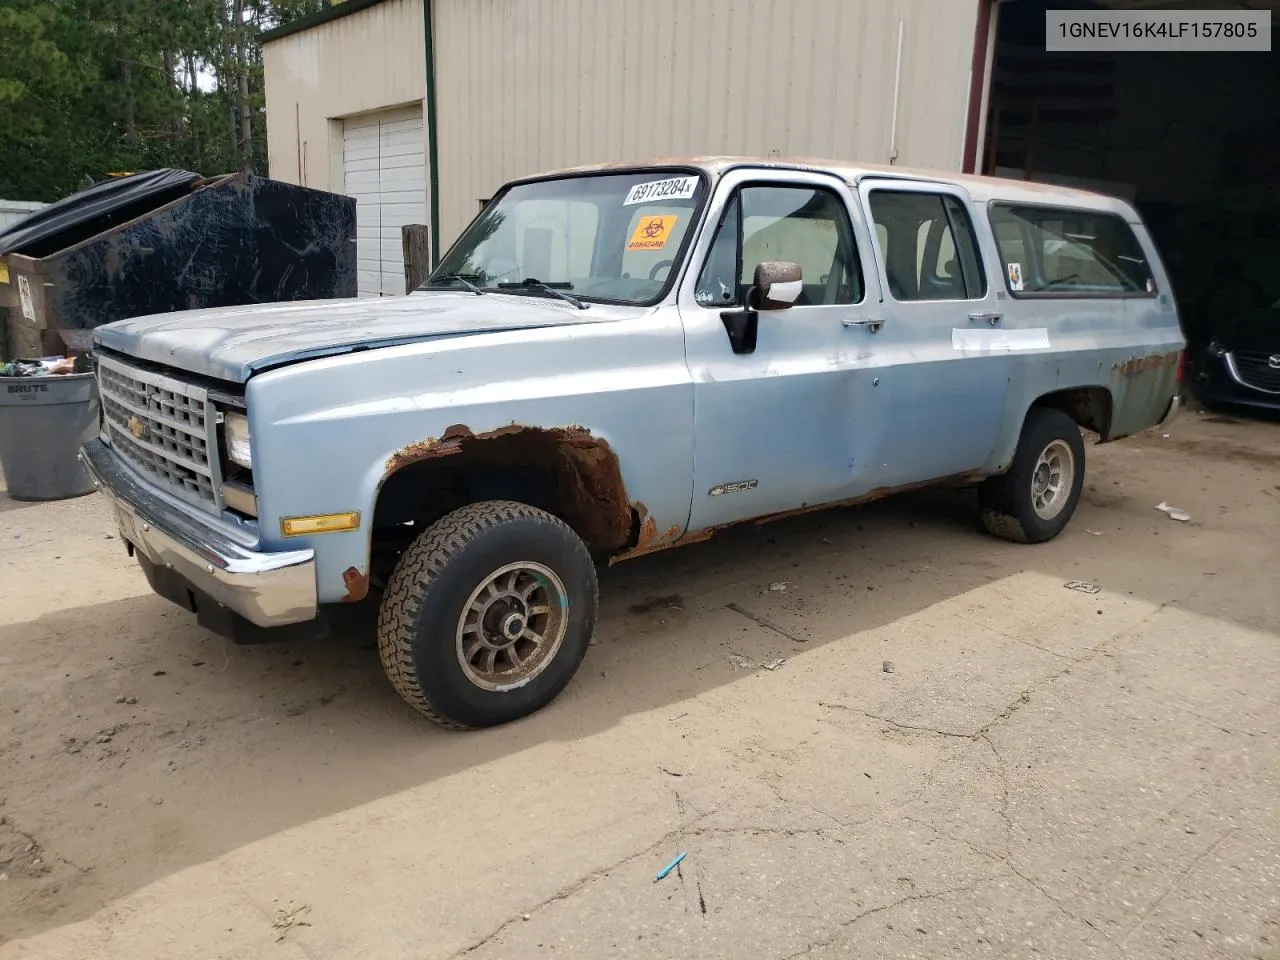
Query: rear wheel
[[487, 615], [1034, 501]]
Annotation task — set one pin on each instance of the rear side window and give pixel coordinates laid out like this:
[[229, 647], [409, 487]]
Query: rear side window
[[1053, 250], [927, 244]]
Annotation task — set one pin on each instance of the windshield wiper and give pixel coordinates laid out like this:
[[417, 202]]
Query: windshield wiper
[[462, 278], [555, 289]]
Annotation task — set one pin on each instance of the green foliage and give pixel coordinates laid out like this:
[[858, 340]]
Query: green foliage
[[94, 87]]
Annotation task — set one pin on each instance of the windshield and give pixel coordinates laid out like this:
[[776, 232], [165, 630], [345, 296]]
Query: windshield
[[615, 238]]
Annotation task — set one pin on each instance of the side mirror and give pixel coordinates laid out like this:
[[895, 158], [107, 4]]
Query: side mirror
[[777, 286]]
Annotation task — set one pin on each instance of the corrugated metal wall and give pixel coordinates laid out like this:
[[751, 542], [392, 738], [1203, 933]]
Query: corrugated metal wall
[[11, 211], [528, 85], [367, 61]]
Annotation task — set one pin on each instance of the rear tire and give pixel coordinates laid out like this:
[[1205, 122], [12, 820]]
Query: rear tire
[[487, 615], [1033, 502]]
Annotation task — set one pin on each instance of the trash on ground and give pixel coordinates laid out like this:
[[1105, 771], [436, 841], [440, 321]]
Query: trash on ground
[[1094, 533], [669, 867], [678, 716], [780, 586], [739, 662], [775, 664], [1084, 586], [1173, 512], [887, 666]]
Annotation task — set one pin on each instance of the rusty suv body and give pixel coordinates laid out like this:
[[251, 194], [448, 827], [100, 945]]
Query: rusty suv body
[[601, 346]]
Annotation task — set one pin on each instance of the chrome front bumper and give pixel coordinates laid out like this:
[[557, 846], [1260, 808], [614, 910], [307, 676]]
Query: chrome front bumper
[[267, 589]]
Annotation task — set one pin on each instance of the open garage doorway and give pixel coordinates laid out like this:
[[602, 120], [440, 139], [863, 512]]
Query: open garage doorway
[[1193, 139]]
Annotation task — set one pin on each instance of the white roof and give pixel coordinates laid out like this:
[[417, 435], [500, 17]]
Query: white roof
[[980, 189]]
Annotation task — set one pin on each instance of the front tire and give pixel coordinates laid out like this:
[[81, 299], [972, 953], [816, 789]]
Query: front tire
[[1033, 502], [487, 615]]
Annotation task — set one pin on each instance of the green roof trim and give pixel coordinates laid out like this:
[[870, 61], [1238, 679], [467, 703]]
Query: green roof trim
[[311, 20]]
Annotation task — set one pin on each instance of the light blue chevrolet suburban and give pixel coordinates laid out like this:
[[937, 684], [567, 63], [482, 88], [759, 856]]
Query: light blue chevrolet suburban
[[617, 360]]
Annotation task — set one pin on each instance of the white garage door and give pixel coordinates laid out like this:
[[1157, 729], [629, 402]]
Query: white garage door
[[382, 160]]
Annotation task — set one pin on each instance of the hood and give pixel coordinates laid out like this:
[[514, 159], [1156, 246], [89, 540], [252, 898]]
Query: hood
[[233, 343], [1256, 330]]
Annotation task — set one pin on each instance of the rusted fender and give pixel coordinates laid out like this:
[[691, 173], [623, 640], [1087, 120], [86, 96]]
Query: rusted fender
[[1142, 387], [586, 471], [649, 540], [1137, 366]]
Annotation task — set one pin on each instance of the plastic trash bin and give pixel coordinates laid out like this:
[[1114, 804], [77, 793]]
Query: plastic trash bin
[[43, 423]]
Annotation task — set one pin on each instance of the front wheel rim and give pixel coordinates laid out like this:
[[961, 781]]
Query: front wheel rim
[[1052, 479], [512, 626]]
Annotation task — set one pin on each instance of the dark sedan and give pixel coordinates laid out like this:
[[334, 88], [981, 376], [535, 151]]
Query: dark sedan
[[1240, 365]]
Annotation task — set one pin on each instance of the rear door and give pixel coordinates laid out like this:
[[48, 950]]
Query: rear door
[[945, 350]]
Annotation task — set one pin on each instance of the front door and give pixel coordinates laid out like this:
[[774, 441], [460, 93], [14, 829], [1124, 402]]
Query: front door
[[787, 424]]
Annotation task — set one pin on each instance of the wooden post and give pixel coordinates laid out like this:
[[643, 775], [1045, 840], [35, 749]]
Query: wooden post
[[416, 241]]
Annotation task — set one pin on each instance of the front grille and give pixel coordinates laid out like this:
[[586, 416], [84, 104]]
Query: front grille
[[1256, 370], [164, 428]]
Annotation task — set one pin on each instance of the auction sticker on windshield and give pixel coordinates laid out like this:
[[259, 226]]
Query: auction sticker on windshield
[[674, 188], [651, 233]]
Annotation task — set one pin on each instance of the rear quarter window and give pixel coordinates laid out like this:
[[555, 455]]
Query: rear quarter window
[[1048, 251]]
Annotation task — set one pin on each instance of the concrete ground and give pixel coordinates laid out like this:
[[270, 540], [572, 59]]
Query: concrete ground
[[954, 757]]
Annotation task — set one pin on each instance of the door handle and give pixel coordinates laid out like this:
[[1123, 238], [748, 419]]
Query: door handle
[[873, 325], [991, 318]]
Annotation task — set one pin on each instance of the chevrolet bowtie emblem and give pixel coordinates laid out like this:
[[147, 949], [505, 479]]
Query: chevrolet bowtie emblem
[[137, 428]]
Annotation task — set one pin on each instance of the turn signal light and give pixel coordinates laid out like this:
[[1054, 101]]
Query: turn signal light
[[323, 523]]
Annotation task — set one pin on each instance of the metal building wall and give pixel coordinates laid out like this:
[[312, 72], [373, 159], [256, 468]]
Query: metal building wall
[[11, 211], [370, 60], [528, 85]]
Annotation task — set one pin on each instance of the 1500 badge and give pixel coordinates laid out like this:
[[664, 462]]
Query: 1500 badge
[[736, 487]]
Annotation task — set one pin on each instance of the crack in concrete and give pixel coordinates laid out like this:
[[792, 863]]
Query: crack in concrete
[[1174, 883], [1012, 639], [775, 788], [564, 893], [1004, 790], [1006, 861], [844, 925], [896, 724], [979, 734]]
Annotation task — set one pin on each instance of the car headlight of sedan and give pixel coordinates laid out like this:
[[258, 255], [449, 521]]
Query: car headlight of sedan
[[235, 431]]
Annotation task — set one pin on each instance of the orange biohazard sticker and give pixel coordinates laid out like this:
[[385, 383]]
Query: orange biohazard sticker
[[652, 232]]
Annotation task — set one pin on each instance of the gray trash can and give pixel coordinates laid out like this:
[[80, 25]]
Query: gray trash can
[[43, 423]]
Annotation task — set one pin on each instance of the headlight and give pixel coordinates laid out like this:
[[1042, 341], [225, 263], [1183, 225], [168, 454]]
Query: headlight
[[235, 428]]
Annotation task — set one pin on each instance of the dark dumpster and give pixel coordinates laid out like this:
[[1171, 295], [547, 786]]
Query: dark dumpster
[[169, 240]]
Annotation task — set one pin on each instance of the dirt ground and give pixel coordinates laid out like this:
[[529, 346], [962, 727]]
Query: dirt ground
[[940, 751]]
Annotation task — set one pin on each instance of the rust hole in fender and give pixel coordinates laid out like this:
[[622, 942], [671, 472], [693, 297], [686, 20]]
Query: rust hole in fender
[[585, 476], [357, 585], [1136, 366]]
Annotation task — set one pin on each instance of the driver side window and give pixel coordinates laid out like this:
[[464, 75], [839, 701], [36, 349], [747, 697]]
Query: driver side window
[[803, 225]]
